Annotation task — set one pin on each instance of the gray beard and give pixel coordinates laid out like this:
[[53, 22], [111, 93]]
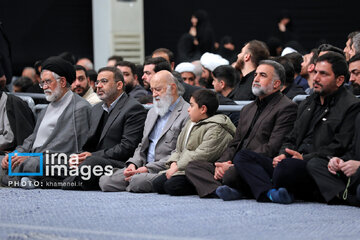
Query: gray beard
[[162, 106]]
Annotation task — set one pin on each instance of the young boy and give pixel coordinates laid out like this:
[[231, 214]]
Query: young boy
[[204, 137]]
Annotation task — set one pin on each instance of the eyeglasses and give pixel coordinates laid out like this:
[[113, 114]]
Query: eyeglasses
[[103, 81], [46, 82]]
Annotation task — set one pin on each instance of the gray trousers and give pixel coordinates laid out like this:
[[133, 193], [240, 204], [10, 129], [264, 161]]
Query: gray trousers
[[139, 183]]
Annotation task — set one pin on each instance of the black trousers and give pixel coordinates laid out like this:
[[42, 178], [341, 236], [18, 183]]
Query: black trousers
[[257, 171], [175, 186], [332, 186], [86, 178], [201, 175]]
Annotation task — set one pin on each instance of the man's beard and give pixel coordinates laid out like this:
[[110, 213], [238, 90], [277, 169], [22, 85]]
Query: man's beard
[[356, 88], [240, 64], [108, 94], [258, 91], [128, 88], [54, 95], [84, 90], [162, 104]]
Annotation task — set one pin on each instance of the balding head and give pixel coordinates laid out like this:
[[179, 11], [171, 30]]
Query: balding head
[[30, 73], [164, 90], [86, 63]]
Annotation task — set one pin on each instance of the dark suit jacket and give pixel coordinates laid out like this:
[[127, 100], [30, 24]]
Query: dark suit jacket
[[121, 133], [21, 119], [334, 130], [269, 131]]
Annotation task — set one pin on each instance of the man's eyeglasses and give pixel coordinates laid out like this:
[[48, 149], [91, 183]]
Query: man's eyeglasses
[[47, 82], [103, 81]]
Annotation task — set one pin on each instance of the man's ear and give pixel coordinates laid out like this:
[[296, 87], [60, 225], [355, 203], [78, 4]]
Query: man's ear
[[277, 83], [340, 80], [247, 57], [63, 82], [311, 67], [120, 85]]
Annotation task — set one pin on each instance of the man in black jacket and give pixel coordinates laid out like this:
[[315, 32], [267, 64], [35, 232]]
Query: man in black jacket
[[324, 128], [338, 178]]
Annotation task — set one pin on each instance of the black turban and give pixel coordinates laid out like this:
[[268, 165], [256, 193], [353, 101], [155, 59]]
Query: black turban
[[61, 67]]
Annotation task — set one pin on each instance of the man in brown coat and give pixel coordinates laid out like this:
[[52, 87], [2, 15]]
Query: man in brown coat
[[263, 124]]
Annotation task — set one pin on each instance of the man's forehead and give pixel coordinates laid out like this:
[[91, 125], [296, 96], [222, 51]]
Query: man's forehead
[[355, 64], [265, 68], [46, 74], [105, 74], [149, 67], [124, 68], [80, 72], [323, 66]]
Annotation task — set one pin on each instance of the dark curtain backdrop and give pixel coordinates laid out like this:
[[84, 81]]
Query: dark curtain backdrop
[[314, 21], [40, 28]]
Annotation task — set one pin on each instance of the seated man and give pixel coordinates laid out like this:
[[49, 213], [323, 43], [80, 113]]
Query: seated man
[[338, 179], [16, 122], [324, 127], [115, 131], [81, 86], [162, 127], [187, 71], [354, 69], [62, 126], [204, 138], [132, 85], [263, 125]]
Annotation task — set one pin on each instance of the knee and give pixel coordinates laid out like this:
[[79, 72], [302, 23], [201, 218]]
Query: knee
[[315, 164], [140, 184], [113, 183], [31, 164], [193, 168], [104, 183], [170, 188], [158, 184], [242, 156]]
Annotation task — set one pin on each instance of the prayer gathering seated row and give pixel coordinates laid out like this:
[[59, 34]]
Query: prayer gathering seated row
[[97, 135]]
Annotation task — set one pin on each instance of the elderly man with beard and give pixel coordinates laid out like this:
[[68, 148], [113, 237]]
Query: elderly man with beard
[[61, 127], [263, 125], [162, 127], [81, 86]]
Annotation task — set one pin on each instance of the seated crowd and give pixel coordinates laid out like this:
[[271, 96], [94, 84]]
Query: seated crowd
[[96, 134]]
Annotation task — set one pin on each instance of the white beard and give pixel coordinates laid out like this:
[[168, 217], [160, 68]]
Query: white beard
[[261, 91], [162, 104], [53, 96]]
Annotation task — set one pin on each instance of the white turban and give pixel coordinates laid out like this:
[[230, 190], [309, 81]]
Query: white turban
[[185, 67], [212, 61], [287, 50]]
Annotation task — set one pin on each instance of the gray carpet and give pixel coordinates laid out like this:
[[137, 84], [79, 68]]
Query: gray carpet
[[74, 215]]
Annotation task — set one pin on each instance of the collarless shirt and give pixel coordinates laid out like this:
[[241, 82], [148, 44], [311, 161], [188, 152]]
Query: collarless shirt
[[157, 130], [50, 119]]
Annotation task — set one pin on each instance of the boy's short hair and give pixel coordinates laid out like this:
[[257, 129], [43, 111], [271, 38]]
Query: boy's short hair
[[208, 98]]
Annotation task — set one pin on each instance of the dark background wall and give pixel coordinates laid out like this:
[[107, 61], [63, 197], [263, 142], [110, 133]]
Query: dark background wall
[[40, 28], [165, 21]]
